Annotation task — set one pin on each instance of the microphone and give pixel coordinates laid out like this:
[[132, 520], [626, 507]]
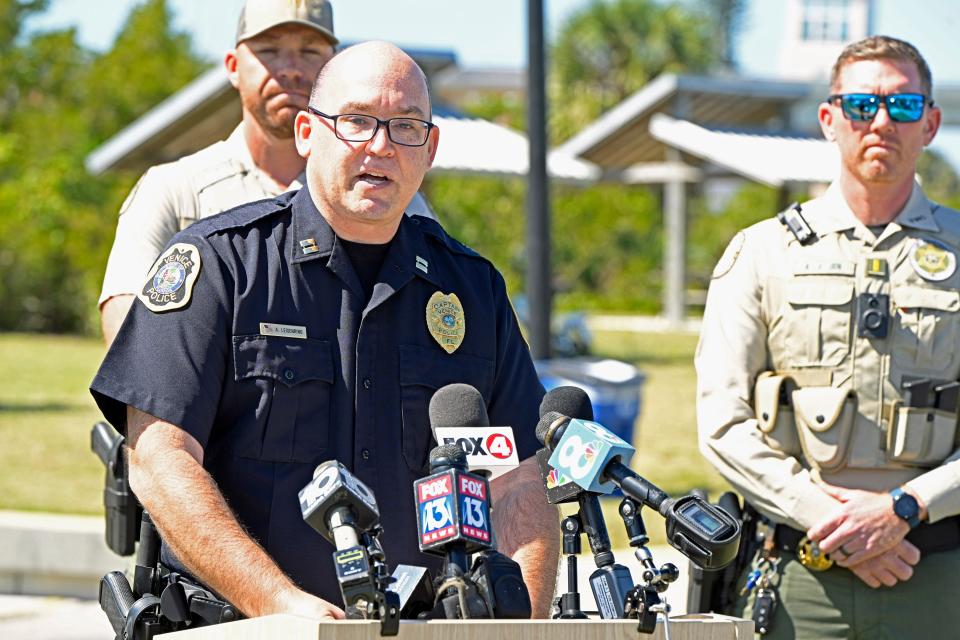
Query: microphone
[[589, 455], [338, 505], [569, 401], [611, 582], [344, 511], [458, 415], [453, 514], [453, 508], [453, 520]]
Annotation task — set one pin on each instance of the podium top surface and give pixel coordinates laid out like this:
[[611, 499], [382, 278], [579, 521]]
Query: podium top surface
[[686, 627]]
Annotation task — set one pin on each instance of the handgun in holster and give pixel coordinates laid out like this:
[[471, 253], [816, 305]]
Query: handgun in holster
[[121, 507], [158, 601]]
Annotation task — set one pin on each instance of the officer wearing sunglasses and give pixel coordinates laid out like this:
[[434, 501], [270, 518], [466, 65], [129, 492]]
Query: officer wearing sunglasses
[[828, 371]]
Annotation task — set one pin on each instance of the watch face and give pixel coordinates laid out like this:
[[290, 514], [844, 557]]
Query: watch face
[[905, 506]]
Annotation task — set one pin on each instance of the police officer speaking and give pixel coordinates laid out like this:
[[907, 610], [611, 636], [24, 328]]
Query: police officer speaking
[[827, 375], [316, 326], [281, 45]]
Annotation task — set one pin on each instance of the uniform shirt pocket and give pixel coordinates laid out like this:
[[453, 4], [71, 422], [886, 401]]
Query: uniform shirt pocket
[[422, 372], [293, 379], [925, 327], [825, 417], [817, 322]]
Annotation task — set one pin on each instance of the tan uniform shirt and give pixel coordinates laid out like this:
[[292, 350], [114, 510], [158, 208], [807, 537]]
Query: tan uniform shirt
[[777, 306], [172, 196]]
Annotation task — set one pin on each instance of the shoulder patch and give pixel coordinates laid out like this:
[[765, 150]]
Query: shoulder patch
[[131, 195], [170, 283], [729, 257]]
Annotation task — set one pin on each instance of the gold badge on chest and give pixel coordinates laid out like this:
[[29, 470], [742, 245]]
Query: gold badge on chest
[[932, 260], [446, 320]]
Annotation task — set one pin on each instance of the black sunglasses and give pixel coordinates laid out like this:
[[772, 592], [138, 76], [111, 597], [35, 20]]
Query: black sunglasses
[[863, 107]]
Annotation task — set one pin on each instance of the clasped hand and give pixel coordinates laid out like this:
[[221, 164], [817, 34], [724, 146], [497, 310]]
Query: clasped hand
[[864, 535]]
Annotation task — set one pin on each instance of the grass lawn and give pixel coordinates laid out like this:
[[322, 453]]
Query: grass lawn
[[45, 417], [666, 433], [46, 413]]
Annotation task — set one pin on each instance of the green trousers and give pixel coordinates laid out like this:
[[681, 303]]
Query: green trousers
[[837, 604]]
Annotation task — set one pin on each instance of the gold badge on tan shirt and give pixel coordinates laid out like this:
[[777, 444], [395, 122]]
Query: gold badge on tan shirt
[[812, 557], [446, 321], [932, 260]]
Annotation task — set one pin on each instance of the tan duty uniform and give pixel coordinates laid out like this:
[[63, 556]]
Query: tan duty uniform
[[172, 196], [781, 323]]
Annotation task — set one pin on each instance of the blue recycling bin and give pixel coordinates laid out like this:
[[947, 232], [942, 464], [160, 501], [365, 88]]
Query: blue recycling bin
[[614, 388]]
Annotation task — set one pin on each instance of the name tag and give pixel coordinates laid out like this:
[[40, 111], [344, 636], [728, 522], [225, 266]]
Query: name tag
[[283, 330], [824, 268]]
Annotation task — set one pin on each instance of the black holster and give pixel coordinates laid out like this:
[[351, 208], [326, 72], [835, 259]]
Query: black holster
[[716, 591]]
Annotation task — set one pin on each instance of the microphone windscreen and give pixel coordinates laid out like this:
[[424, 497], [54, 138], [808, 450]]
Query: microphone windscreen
[[569, 401], [546, 420], [451, 452], [458, 405]]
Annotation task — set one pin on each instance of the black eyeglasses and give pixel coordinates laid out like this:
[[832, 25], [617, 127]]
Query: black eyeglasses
[[358, 127], [901, 107]]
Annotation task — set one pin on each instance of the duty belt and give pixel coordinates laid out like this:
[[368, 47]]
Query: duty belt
[[928, 538]]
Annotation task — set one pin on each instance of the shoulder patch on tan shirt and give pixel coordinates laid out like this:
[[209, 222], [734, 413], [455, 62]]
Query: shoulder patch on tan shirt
[[729, 257]]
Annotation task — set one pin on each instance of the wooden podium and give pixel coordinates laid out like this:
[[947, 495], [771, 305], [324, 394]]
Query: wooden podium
[[700, 626]]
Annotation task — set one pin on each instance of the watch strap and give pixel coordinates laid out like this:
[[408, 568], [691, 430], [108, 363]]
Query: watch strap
[[899, 494]]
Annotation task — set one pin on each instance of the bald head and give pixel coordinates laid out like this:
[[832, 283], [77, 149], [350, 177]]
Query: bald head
[[381, 64], [368, 140]]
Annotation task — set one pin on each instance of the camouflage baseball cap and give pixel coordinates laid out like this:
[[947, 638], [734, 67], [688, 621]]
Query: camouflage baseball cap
[[259, 15]]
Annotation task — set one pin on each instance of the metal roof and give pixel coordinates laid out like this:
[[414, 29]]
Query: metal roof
[[621, 137], [208, 109], [476, 146], [773, 159]]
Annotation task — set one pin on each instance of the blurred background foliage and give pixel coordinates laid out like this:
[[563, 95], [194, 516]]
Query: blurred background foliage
[[59, 101]]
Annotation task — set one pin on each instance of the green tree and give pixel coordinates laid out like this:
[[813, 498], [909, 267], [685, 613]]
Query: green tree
[[939, 178], [606, 243], [61, 102], [727, 17], [611, 49]]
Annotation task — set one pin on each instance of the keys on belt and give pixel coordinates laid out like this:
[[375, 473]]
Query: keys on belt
[[765, 602]]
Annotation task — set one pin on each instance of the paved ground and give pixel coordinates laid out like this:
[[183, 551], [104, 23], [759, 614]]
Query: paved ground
[[49, 618]]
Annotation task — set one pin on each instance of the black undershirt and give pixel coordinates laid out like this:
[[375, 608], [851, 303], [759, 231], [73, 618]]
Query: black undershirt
[[367, 260]]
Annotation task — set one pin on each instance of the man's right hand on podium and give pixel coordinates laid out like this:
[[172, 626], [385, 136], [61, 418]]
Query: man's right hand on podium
[[301, 603]]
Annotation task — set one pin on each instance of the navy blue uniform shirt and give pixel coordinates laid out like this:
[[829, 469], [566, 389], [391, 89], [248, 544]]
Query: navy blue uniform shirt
[[354, 385]]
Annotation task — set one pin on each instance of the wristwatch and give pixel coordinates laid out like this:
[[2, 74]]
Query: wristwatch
[[906, 507]]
